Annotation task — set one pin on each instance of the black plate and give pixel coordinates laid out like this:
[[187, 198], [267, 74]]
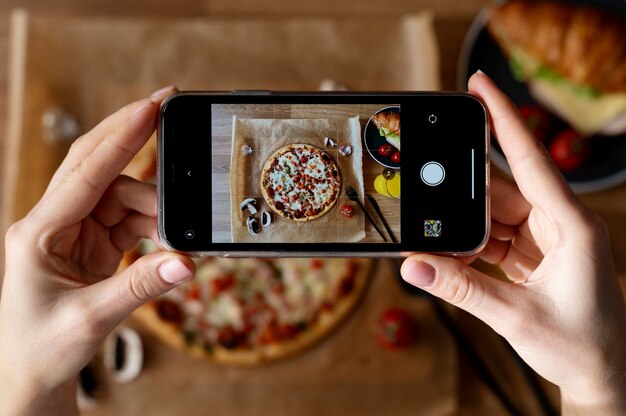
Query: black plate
[[606, 166], [373, 140]]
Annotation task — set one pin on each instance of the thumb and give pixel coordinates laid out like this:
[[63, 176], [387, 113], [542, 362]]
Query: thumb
[[485, 297], [113, 299]]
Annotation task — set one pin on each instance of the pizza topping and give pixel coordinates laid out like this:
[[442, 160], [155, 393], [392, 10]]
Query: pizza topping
[[169, 311], [345, 150], [225, 311], [253, 225], [328, 142], [227, 338], [266, 219], [123, 354], [246, 150], [248, 204]]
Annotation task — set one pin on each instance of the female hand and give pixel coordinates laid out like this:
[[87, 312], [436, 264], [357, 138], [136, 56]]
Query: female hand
[[563, 310], [59, 300]]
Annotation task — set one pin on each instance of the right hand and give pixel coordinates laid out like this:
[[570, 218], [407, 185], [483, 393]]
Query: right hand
[[563, 310]]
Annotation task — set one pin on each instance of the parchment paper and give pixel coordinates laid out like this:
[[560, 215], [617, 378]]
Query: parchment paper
[[265, 136], [92, 66]]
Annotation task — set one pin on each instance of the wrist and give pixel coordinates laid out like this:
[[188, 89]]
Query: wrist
[[606, 405], [20, 396], [601, 395]]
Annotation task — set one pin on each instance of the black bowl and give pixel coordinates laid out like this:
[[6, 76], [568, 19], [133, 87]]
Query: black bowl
[[373, 140], [606, 166]]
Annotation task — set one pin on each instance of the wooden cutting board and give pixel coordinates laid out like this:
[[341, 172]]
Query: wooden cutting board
[[346, 373], [92, 66]]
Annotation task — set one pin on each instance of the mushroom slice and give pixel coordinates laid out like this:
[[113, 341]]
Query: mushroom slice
[[123, 354], [328, 142], [249, 204], [253, 225], [266, 219], [246, 150]]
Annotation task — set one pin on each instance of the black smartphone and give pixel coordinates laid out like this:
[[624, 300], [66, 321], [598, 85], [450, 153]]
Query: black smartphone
[[262, 173]]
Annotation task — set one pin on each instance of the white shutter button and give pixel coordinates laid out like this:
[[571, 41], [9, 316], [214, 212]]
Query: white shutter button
[[432, 173]]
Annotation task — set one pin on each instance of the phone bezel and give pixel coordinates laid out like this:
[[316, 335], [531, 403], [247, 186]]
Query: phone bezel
[[346, 252]]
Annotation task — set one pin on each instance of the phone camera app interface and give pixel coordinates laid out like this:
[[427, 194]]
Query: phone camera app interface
[[305, 173]]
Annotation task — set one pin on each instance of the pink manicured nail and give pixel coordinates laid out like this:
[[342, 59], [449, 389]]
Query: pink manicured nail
[[419, 274], [174, 272], [162, 91]]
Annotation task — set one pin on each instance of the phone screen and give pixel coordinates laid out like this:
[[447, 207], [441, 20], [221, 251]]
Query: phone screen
[[323, 173]]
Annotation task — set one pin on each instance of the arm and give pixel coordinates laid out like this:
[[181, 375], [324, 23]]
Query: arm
[[563, 310]]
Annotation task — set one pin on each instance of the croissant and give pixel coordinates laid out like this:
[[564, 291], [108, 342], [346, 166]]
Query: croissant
[[584, 44], [572, 56], [388, 125]]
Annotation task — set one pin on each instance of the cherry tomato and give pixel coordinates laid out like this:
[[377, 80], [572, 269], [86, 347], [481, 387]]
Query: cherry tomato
[[347, 211], [538, 121], [385, 150], [569, 150], [396, 329], [395, 157]]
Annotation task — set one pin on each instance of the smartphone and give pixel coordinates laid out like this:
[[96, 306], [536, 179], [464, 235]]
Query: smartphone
[[270, 174]]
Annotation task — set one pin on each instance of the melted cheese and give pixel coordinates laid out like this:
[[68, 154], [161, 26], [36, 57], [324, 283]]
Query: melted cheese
[[225, 311], [304, 290], [314, 169]]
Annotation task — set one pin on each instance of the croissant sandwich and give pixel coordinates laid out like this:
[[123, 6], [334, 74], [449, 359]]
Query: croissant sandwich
[[388, 125], [572, 57]]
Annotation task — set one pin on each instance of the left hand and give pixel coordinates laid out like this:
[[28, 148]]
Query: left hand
[[58, 299]]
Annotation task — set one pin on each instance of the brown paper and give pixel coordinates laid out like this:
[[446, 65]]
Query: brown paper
[[265, 136], [93, 66]]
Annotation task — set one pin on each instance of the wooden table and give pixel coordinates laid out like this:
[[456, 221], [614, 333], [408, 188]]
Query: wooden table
[[452, 21]]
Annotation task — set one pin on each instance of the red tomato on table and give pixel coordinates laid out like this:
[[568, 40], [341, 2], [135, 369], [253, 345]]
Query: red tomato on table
[[396, 329], [347, 211]]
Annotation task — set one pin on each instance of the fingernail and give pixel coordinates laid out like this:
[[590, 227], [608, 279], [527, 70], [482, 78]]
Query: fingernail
[[158, 93], [174, 272], [419, 274], [480, 72]]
